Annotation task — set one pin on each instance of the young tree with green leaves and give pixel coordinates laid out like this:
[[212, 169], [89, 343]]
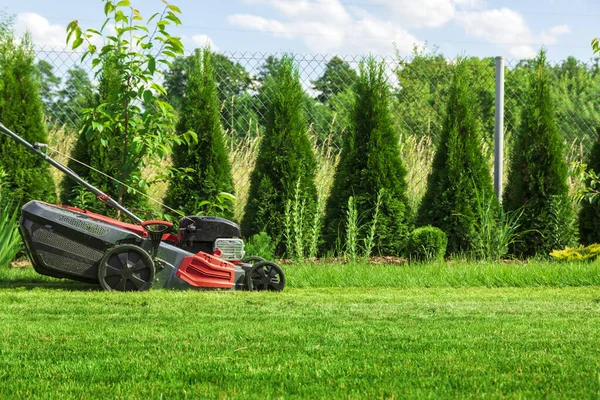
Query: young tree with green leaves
[[21, 108], [537, 180], [370, 165], [136, 125], [203, 168], [460, 177], [285, 160], [92, 151]]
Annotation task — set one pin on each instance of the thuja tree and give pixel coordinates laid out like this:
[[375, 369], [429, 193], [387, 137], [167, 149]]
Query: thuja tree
[[370, 167], [537, 180], [28, 176], [589, 215], [285, 165], [136, 125], [460, 180], [92, 149], [203, 168]]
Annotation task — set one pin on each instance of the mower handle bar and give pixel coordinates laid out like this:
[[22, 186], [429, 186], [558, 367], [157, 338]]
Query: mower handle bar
[[106, 199]]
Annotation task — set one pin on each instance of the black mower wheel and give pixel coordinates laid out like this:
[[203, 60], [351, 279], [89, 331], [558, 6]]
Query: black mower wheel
[[265, 275], [252, 260], [126, 268]]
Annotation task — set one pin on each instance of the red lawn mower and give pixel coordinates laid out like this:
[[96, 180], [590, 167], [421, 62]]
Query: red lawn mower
[[206, 252]]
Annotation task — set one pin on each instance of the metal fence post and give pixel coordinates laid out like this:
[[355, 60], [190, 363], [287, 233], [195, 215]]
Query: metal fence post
[[499, 130]]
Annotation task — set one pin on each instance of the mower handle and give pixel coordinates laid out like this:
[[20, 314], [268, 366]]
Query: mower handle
[[165, 226]]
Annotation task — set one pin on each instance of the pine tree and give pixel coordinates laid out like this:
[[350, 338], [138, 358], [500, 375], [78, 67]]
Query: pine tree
[[537, 180], [207, 160], [21, 111], [589, 215], [460, 176], [370, 164], [98, 155], [285, 158]]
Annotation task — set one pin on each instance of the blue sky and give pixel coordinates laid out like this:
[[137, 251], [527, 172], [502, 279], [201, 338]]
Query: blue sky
[[511, 28]]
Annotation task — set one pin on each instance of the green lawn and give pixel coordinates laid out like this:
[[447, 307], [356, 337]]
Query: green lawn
[[434, 337]]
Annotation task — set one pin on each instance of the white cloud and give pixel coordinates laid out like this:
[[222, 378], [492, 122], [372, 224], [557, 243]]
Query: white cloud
[[509, 30], [42, 32], [202, 40], [328, 27]]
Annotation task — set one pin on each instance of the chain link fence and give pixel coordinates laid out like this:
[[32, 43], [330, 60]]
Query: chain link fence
[[419, 85]]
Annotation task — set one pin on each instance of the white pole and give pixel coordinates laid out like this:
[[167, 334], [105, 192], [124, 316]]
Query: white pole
[[499, 131]]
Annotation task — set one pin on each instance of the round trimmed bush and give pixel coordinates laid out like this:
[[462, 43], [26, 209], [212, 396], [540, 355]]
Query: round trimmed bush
[[427, 243]]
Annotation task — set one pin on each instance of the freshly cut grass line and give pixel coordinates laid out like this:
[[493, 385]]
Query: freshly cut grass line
[[311, 343]]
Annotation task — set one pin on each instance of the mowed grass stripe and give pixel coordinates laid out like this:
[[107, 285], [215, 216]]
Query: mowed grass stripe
[[315, 343], [451, 274]]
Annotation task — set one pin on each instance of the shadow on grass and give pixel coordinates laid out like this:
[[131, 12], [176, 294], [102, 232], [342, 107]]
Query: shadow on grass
[[27, 278]]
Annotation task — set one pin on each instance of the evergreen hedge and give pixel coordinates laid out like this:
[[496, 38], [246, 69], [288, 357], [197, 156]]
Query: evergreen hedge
[[537, 179], [589, 215], [370, 164], [460, 176], [93, 152], [28, 176], [285, 160], [207, 161]]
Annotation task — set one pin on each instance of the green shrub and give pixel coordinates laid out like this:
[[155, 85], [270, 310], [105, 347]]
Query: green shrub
[[10, 240], [537, 179], [427, 243], [589, 215], [285, 165], [260, 245], [460, 179], [370, 165], [96, 153], [587, 253], [203, 168], [21, 111]]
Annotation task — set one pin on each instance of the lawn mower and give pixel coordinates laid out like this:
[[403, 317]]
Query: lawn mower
[[205, 253]]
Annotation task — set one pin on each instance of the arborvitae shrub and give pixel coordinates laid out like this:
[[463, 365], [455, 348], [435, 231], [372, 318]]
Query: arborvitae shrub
[[427, 243], [91, 151], [537, 179], [460, 176], [28, 176], [285, 160], [207, 161], [370, 163], [589, 215]]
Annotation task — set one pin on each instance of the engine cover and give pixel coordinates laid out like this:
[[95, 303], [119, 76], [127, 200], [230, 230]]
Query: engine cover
[[199, 233]]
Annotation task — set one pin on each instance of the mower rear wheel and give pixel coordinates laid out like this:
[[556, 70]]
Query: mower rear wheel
[[265, 275], [126, 268]]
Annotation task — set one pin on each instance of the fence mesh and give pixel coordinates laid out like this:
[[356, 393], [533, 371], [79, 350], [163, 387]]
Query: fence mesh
[[419, 86]]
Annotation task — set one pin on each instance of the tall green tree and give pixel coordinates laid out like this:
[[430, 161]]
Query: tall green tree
[[370, 165], [285, 160], [49, 83], [537, 180], [460, 176], [204, 168], [21, 111], [589, 215], [338, 76], [76, 95]]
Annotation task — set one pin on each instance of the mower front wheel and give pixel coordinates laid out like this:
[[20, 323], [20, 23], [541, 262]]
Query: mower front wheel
[[265, 275], [126, 268]]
